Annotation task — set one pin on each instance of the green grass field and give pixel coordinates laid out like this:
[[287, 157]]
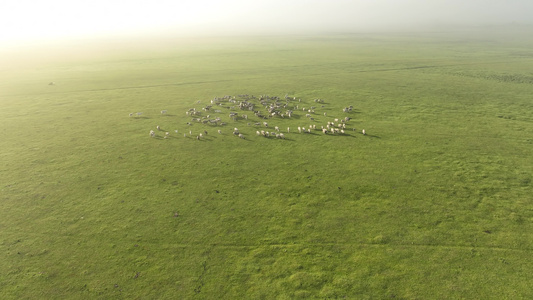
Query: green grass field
[[434, 202]]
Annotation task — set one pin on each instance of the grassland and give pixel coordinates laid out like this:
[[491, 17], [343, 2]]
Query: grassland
[[435, 202]]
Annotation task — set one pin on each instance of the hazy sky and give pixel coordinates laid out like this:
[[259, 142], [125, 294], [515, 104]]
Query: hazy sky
[[22, 20]]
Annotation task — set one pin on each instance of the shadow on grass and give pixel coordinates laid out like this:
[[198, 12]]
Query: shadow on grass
[[246, 139], [271, 138]]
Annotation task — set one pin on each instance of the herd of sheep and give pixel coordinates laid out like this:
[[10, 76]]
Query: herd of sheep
[[259, 112]]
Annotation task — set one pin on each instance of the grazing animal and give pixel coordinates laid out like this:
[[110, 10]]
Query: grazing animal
[[219, 131], [363, 131], [152, 133], [131, 114], [164, 111], [158, 128]]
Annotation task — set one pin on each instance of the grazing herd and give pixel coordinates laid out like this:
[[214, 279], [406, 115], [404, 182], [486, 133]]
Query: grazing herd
[[260, 109]]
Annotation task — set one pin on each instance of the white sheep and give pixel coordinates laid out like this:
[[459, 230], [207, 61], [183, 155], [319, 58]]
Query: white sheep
[[219, 131], [152, 133], [363, 131]]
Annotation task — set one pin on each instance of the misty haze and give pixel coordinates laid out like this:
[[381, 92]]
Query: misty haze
[[266, 149]]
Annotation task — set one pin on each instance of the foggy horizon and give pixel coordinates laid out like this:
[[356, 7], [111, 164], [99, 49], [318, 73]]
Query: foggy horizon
[[55, 20]]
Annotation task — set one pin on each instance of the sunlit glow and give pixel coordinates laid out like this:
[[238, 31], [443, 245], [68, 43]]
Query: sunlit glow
[[22, 20]]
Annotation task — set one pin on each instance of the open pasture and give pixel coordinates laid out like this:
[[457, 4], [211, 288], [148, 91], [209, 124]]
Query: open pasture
[[433, 202]]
